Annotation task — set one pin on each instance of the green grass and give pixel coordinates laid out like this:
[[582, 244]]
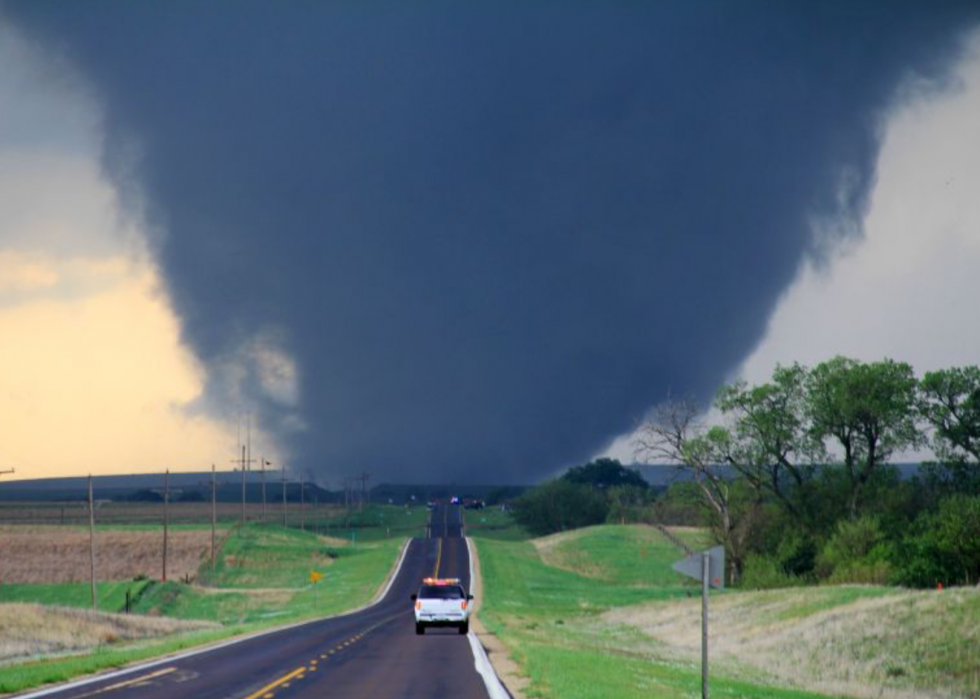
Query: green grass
[[582, 673], [492, 523], [626, 555], [823, 598], [111, 595], [550, 619], [261, 581], [23, 676], [263, 573], [697, 539], [374, 523]]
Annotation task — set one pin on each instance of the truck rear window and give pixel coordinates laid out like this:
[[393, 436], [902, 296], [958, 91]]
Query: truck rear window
[[441, 592]]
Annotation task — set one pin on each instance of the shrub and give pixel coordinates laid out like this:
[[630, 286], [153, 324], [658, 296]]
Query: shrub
[[853, 551], [797, 554], [766, 573], [944, 547], [871, 571], [558, 506]]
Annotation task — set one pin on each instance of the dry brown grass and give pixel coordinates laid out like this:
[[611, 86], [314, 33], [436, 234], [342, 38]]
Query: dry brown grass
[[34, 630], [890, 646], [61, 554]]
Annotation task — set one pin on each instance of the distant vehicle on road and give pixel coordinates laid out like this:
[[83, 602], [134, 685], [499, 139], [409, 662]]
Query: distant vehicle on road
[[442, 602], [454, 500]]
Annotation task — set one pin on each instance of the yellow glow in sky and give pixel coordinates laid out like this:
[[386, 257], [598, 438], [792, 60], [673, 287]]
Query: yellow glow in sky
[[93, 377]]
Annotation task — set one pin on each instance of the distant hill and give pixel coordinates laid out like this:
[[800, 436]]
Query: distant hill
[[140, 486], [197, 486]]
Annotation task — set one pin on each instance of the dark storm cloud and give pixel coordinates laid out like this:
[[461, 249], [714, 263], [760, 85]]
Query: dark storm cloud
[[491, 234]]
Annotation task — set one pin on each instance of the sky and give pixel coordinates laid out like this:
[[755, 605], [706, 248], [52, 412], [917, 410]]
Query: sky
[[461, 244], [905, 288]]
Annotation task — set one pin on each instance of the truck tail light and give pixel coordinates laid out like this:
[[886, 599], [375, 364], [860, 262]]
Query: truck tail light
[[463, 605], [418, 604]]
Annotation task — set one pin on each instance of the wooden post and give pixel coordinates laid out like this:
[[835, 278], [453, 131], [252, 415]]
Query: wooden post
[[705, 576], [284, 496], [264, 462], [166, 519], [214, 516], [302, 505], [243, 486], [91, 543]]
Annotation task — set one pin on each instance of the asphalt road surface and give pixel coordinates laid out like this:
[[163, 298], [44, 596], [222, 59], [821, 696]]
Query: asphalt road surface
[[373, 653]]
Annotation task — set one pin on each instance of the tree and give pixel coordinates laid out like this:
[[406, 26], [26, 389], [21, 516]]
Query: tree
[[604, 474], [868, 410], [773, 442], [558, 506], [675, 433], [949, 401], [944, 546]]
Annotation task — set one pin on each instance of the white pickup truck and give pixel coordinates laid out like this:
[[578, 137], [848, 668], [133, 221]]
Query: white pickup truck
[[442, 602]]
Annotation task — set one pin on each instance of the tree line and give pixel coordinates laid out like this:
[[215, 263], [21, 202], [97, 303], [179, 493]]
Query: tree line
[[795, 476]]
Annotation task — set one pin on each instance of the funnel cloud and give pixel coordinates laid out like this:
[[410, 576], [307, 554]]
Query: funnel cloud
[[473, 242]]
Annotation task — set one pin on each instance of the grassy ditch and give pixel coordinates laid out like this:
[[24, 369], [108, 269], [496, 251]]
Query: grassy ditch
[[553, 617], [261, 580]]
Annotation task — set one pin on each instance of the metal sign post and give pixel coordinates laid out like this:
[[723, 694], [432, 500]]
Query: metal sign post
[[315, 577], [708, 567]]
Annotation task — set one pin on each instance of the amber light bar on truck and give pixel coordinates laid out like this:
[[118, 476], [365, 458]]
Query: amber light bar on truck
[[441, 581]]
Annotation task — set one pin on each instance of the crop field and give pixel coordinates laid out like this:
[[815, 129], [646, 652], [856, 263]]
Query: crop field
[[261, 578], [598, 613], [51, 554], [127, 514]]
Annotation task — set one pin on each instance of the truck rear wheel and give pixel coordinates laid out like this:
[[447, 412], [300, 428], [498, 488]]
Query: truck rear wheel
[[419, 629], [464, 628]]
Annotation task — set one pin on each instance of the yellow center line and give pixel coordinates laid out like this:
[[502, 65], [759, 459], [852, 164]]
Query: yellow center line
[[435, 574], [281, 681], [127, 683]]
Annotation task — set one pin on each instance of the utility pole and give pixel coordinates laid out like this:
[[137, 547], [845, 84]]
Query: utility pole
[[166, 519], [264, 464], [347, 499], [91, 543], [248, 451], [363, 477], [243, 486], [10, 470], [214, 516], [243, 463], [284, 496], [302, 504]]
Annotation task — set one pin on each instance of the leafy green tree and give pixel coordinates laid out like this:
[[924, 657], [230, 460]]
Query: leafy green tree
[[630, 503], [605, 473], [949, 401], [868, 410], [558, 506], [854, 553], [944, 546], [772, 442], [675, 433]]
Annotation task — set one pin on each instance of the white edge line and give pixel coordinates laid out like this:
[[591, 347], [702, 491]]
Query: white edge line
[[209, 648], [495, 688]]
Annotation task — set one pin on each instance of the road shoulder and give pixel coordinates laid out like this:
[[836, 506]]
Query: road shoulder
[[503, 665]]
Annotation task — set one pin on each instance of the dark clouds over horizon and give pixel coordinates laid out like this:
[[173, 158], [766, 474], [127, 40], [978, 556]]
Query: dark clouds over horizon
[[490, 235]]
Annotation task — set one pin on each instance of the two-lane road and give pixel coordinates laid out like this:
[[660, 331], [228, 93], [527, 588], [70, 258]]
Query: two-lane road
[[372, 653]]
